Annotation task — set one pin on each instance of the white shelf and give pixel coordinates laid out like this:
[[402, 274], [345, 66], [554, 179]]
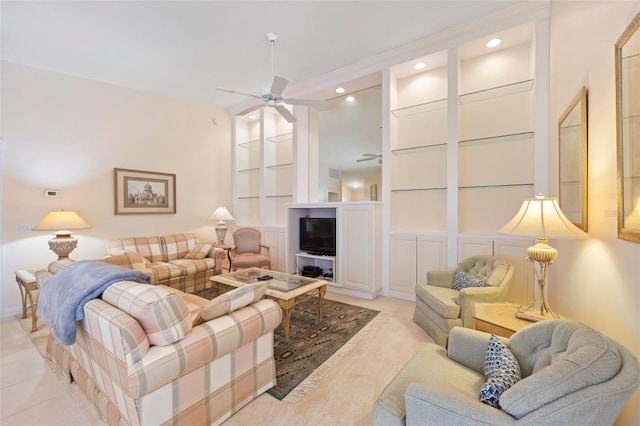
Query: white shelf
[[281, 138], [420, 108], [496, 92]]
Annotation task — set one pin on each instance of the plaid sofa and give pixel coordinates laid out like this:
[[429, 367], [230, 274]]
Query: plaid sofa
[[142, 356], [180, 261]]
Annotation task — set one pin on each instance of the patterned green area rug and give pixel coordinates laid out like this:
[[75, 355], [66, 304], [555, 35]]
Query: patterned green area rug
[[313, 345], [312, 342]]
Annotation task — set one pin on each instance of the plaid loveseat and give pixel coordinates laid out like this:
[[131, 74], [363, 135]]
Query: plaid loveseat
[[180, 261], [143, 356]]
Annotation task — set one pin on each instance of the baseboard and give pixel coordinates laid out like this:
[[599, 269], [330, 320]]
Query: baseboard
[[350, 292]]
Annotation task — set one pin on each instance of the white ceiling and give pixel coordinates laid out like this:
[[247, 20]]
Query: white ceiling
[[185, 49]]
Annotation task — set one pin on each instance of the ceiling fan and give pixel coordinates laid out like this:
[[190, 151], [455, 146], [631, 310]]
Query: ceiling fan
[[273, 97], [367, 157]]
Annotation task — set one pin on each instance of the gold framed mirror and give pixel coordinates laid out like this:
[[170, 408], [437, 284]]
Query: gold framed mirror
[[627, 57], [572, 147]]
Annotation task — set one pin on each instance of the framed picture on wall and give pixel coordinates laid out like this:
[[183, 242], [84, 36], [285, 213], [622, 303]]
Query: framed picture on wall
[[139, 192]]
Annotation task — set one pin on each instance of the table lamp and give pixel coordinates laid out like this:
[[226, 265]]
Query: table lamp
[[221, 215], [541, 217], [62, 222]]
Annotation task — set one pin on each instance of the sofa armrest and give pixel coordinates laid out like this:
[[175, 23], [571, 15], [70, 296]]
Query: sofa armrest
[[219, 255], [440, 278], [469, 347], [448, 407], [204, 344]]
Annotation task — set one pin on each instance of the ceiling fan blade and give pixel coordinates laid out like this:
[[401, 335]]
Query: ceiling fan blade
[[360, 160], [248, 110], [306, 102], [235, 92], [278, 85], [285, 113]]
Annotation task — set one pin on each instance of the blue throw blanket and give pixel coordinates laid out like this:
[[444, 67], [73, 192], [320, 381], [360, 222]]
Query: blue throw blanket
[[63, 296]]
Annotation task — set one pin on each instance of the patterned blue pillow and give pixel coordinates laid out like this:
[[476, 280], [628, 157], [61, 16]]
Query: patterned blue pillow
[[463, 279], [501, 370]]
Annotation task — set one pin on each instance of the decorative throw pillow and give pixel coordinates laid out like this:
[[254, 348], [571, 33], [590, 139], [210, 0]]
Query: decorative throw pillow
[[463, 279], [129, 259], [163, 315], [232, 300], [200, 251], [501, 370]]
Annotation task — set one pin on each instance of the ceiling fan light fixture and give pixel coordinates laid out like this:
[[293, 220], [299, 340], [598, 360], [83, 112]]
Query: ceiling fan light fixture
[[273, 97]]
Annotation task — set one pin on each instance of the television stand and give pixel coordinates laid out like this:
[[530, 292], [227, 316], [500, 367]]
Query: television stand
[[327, 264]]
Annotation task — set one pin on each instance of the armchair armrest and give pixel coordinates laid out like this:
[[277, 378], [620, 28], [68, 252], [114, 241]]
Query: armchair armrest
[[265, 249], [469, 347], [440, 278], [470, 295], [448, 407]]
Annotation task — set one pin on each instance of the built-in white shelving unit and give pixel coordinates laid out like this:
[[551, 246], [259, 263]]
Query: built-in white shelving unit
[[463, 141]]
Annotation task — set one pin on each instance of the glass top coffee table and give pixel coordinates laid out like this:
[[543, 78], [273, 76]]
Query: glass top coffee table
[[286, 289]]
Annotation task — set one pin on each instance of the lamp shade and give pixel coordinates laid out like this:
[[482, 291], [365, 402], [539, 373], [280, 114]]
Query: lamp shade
[[222, 213], [541, 217], [61, 222]]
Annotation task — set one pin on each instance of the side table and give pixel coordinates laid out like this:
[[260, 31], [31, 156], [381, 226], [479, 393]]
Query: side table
[[498, 318], [228, 249], [27, 284]]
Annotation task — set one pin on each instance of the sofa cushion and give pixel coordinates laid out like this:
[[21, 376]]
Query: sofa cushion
[[176, 246], [200, 251], [129, 259], [193, 266], [569, 357], [165, 270], [149, 247], [463, 279], [195, 304], [442, 300], [501, 370], [163, 315], [232, 300]]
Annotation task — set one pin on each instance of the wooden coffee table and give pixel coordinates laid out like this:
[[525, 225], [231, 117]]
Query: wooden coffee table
[[286, 289]]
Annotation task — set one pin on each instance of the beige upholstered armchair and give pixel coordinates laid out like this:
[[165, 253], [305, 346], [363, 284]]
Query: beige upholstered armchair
[[570, 374], [446, 300], [248, 250]]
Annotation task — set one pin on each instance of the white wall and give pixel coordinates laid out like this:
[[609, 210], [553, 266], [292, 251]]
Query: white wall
[[69, 134], [594, 281]]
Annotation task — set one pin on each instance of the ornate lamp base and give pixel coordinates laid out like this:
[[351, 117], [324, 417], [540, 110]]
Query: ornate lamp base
[[221, 232], [542, 254], [63, 245]]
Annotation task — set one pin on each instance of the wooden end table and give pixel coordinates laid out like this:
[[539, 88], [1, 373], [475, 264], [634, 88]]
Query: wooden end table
[[498, 318], [27, 283]]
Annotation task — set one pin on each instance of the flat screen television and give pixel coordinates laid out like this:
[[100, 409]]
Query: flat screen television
[[318, 235]]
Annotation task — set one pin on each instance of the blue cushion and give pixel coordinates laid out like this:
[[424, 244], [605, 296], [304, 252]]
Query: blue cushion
[[501, 370], [463, 279]]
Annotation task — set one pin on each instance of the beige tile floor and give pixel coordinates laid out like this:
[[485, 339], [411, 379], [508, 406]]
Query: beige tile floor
[[32, 394]]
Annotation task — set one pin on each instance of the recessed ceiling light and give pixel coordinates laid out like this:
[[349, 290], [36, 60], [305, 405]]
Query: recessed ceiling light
[[419, 65], [340, 90], [252, 117], [494, 42], [350, 99]]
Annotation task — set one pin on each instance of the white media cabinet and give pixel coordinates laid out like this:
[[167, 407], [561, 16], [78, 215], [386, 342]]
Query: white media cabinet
[[356, 267]]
